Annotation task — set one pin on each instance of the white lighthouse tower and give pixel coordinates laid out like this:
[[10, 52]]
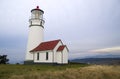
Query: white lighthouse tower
[[36, 33]]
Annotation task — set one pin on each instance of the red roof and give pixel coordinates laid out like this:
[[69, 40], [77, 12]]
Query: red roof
[[49, 45], [37, 7], [61, 48]]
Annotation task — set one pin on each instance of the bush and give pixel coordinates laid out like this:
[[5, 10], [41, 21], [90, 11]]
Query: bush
[[3, 59]]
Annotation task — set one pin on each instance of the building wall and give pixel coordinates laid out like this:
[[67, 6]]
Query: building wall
[[59, 57], [42, 57], [34, 39], [62, 56], [55, 50], [65, 56]]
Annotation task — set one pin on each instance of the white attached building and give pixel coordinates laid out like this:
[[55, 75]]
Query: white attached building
[[39, 51], [50, 52]]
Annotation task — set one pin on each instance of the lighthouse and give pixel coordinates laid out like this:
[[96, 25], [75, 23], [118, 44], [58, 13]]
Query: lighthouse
[[40, 51], [36, 33]]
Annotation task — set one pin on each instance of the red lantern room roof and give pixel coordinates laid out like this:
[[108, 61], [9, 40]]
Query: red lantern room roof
[[37, 8]]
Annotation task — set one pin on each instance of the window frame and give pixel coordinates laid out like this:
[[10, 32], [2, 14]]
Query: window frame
[[38, 57], [47, 55]]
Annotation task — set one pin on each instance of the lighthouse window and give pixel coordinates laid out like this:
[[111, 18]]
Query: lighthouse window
[[41, 23], [37, 56], [41, 16], [33, 16], [46, 55], [36, 15]]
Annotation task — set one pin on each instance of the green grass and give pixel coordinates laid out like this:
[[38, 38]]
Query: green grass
[[6, 71], [70, 71]]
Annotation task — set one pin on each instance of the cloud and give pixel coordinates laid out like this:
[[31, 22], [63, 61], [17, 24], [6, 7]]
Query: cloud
[[112, 49]]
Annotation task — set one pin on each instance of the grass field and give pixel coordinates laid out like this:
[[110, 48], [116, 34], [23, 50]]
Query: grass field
[[71, 71]]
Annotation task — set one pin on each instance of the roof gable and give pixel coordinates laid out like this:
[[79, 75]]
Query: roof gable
[[49, 45], [61, 48]]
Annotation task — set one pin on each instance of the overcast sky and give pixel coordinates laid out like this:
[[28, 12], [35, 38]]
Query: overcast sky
[[87, 27]]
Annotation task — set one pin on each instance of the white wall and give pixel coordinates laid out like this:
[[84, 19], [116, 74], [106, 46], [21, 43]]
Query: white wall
[[59, 57], [42, 57], [55, 51], [65, 55], [34, 39], [62, 56]]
